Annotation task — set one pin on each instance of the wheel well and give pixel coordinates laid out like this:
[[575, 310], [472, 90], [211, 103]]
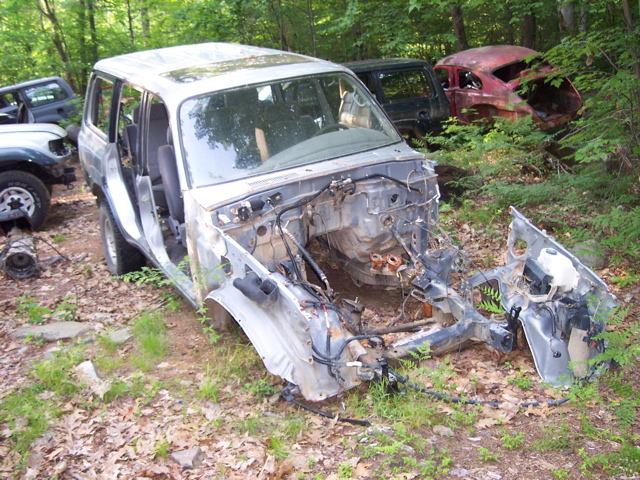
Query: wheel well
[[27, 167]]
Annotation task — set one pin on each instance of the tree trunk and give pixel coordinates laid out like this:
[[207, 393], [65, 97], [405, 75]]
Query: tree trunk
[[132, 37], [144, 19], [93, 35], [47, 8], [628, 20], [529, 31], [509, 24], [458, 26], [567, 17], [584, 17], [312, 27]]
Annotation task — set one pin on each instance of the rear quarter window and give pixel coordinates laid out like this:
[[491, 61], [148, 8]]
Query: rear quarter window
[[45, 93], [99, 108]]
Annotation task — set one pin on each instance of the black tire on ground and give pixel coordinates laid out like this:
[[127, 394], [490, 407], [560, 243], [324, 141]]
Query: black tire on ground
[[20, 189], [121, 256]]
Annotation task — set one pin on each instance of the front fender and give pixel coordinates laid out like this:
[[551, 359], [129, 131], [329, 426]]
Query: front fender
[[281, 323]]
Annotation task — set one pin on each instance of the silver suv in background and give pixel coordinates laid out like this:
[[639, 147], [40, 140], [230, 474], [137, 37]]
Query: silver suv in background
[[221, 163]]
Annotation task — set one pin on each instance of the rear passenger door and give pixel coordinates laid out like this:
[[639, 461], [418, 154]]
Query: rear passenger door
[[410, 100], [49, 102]]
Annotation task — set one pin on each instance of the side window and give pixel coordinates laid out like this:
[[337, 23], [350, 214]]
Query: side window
[[45, 93], [469, 80], [100, 104], [405, 84], [443, 77], [128, 113]]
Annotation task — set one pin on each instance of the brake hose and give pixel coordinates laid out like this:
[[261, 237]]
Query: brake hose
[[466, 401]]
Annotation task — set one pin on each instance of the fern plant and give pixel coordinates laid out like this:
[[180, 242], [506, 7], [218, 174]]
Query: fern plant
[[493, 301]]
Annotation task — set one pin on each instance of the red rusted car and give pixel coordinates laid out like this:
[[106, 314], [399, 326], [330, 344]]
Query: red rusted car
[[503, 81]]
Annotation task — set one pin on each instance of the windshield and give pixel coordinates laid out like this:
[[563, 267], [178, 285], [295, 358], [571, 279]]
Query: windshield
[[249, 131]]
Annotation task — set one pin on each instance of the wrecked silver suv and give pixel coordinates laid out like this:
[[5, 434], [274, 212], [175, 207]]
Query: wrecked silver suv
[[220, 164]]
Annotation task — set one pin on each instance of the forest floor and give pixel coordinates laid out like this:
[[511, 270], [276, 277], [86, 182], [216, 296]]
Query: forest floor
[[245, 429]]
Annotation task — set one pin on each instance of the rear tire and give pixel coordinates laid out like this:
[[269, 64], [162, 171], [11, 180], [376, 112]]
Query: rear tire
[[26, 191], [120, 255]]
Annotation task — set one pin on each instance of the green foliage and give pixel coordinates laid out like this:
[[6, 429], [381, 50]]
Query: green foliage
[[602, 69], [556, 436], [345, 470], [626, 460], [209, 389], [261, 388], [161, 449], [67, 310], [149, 328], [493, 301], [622, 337], [485, 455], [503, 148], [27, 308], [27, 411], [277, 447], [560, 473], [512, 441], [55, 374], [621, 229], [404, 450], [147, 276]]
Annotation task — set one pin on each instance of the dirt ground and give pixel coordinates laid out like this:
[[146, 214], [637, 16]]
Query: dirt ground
[[120, 439]]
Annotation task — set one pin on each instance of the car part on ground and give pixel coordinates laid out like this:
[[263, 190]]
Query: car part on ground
[[33, 158], [19, 257], [506, 81], [225, 162], [409, 93]]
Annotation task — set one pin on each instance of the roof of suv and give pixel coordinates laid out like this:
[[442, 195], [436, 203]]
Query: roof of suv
[[384, 63], [193, 69], [29, 83]]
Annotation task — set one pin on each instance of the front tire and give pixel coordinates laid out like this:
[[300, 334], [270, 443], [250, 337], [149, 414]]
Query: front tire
[[22, 190], [121, 256]]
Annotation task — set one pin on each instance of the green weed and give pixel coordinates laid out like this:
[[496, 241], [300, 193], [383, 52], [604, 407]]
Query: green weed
[[149, 328], [277, 447], [209, 389], [28, 411], [28, 309], [261, 388], [161, 449], [521, 380], [560, 473], [557, 436], [512, 441], [345, 470], [487, 456]]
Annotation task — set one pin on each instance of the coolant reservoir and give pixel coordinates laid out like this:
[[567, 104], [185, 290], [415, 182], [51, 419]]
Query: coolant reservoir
[[565, 276]]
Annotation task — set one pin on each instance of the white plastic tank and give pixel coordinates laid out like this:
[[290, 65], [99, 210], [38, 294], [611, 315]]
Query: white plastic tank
[[565, 276]]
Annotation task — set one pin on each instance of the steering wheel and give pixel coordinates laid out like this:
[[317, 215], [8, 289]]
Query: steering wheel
[[331, 127]]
